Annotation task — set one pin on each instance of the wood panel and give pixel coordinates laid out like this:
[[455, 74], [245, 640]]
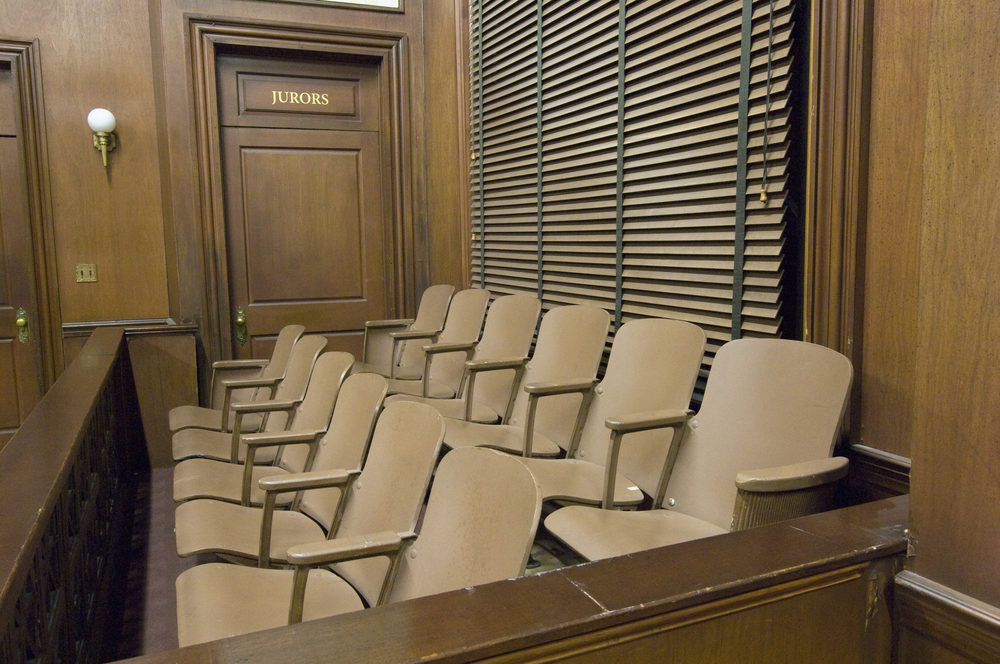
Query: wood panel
[[892, 258], [955, 483]]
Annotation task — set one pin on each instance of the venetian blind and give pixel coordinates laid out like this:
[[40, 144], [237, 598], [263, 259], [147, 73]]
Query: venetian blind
[[608, 152]]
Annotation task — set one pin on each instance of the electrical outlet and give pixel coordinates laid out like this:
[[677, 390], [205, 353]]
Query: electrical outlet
[[86, 273]]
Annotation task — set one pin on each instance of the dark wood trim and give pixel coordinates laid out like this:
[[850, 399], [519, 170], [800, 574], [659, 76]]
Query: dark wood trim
[[875, 474], [206, 33], [577, 608], [932, 612], [24, 58]]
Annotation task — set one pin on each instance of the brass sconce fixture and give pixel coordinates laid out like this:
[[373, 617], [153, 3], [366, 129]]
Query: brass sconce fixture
[[102, 123]]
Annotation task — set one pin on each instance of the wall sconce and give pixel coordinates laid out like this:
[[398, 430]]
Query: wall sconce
[[102, 122]]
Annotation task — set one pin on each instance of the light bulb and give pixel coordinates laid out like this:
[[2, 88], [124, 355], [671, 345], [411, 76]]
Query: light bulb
[[101, 119]]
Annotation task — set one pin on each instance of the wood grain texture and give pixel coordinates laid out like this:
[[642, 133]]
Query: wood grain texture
[[956, 465], [893, 229]]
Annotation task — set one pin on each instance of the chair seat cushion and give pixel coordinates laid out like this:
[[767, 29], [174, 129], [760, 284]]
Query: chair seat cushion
[[453, 408], [506, 437], [595, 533], [580, 481], [197, 417], [221, 480], [217, 600], [188, 443], [435, 390]]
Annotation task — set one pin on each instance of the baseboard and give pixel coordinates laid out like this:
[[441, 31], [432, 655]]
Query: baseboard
[[933, 618]]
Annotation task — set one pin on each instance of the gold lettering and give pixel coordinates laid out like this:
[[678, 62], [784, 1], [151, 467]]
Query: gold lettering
[[293, 97], [283, 96], [326, 99], [289, 97], [315, 98], [274, 97]]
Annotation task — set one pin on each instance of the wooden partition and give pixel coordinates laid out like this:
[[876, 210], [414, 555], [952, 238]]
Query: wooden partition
[[813, 589], [67, 478]]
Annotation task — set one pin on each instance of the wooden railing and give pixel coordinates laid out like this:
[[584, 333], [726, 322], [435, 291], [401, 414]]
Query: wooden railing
[[66, 480]]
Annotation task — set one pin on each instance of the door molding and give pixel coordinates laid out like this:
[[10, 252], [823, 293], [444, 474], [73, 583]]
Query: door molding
[[23, 57], [389, 50]]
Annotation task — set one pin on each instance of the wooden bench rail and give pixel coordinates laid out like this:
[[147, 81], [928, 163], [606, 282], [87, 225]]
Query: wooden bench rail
[[811, 589], [66, 479]]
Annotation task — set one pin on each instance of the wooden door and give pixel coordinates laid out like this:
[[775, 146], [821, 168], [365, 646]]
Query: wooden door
[[20, 360], [308, 230]]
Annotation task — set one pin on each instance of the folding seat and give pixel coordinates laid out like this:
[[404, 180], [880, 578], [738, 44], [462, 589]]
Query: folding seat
[[333, 427], [462, 326], [649, 379], [758, 451], [507, 333], [382, 356], [238, 380], [567, 355], [478, 527], [387, 495], [276, 413]]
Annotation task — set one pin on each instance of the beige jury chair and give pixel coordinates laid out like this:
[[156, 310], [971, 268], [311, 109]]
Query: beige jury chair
[[462, 326], [616, 456], [329, 413], [479, 525], [238, 380], [223, 445], [507, 333], [568, 351], [387, 495], [772, 405], [381, 355]]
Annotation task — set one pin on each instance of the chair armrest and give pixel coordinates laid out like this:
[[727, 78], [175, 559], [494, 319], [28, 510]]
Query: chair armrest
[[449, 347], [264, 406], [225, 365], [491, 365], [258, 440], [785, 492], [389, 322], [650, 419], [793, 477], [235, 384], [345, 548], [414, 334], [548, 389], [317, 479]]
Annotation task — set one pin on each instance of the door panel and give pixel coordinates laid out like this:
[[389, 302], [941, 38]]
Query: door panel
[[307, 232], [20, 363]]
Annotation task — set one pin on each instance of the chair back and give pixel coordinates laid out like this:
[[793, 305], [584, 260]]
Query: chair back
[[479, 525], [345, 443], [316, 408], [431, 313], [275, 368], [390, 491], [508, 331], [768, 402], [569, 347], [293, 386], [654, 363], [464, 323]]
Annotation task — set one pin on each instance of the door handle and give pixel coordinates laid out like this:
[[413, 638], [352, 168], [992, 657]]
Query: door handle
[[23, 333], [241, 325]]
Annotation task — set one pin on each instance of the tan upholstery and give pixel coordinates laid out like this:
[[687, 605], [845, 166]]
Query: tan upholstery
[[387, 495], [235, 381], [378, 355], [568, 349], [339, 441], [442, 373], [771, 412], [651, 370], [507, 334], [479, 524], [277, 412]]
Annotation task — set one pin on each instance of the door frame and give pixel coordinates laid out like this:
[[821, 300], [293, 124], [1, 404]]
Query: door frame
[[390, 52], [23, 57]]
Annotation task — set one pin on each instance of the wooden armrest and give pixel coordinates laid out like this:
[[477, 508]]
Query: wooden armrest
[[546, 389], [449, 347], [651, 419], [793, 477], [345, 548], [263, 406], [390, 322], [319, 479], [414, 334]]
